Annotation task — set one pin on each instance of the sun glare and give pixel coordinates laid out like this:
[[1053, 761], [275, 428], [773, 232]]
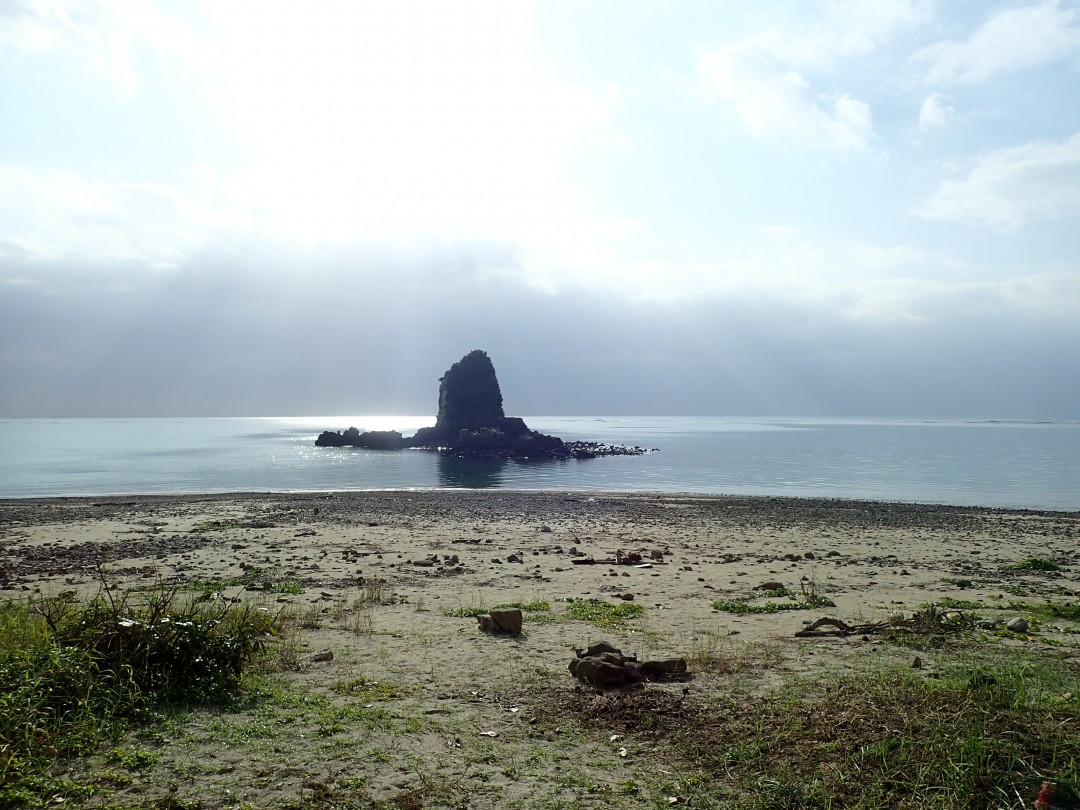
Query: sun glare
[[387, 120]]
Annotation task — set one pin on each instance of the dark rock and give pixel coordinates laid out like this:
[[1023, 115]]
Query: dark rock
[[508, 620], [471, 424], [372, 440], [605, 666], [501, 621], [666, 669]]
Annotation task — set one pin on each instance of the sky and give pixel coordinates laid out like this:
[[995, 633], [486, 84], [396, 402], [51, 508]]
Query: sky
[[672, 207]]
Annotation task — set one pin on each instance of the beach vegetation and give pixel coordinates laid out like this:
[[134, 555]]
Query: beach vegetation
[[255, 579], [948, 603], [610, 616], [472, 611], [1036, 564], [1070, 611], [980, 733], [75, 675], [809, 597]]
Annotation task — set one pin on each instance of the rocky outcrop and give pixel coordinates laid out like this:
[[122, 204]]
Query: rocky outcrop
[[604, 665], [371, 440], [471, 424]]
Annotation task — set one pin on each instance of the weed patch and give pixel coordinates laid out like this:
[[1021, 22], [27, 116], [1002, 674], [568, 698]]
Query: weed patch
[[605, 615], [75, 675], [1036, 564], [808, 599]]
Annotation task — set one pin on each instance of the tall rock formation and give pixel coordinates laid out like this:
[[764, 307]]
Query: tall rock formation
[[471, 423], [469, 395]]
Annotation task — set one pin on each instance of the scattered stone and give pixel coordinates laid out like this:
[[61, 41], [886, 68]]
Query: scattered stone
[[771, 585], [1017, 625], [603, 665], [501, 621]]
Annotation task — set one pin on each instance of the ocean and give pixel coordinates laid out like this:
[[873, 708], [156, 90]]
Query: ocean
[[1013, 464]]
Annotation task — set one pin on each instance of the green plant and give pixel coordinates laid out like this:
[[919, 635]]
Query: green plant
[[75, 674], [807, 598], [1036, 564], [605, 615]]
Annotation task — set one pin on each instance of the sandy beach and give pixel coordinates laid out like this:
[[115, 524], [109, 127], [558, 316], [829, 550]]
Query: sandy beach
[[468, 710]]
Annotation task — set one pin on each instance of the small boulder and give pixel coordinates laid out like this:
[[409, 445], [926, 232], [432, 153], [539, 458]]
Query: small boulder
[[508, 621], [769, 586], [1017, 625]]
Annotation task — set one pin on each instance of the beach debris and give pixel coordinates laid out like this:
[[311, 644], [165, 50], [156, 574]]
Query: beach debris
[[604, 665], [769, 586], [501, 621], [931, 621], [1052, 797], [621, 558]]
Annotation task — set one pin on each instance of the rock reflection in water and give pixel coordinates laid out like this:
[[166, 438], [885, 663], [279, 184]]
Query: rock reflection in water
[[471, 473]]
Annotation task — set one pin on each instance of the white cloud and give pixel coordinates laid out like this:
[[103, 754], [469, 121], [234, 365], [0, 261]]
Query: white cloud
[[765, 78], [770, 100], [99, 35], [850, 28], [1009, 188], [1010, 40], [53, 215], [936, 113]]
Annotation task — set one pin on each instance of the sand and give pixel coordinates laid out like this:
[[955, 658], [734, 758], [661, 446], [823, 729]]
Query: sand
[[473, 716]]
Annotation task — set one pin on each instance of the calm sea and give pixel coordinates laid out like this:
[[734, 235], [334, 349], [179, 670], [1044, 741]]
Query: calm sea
[[1006, 464]]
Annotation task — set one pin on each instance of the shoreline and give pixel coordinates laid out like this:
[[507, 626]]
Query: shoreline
[[503, 492], [315, 536], [383, 588]]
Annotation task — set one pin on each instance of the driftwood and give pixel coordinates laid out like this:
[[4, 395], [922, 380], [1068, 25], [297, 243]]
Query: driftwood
[[620, 558], [930, 620]]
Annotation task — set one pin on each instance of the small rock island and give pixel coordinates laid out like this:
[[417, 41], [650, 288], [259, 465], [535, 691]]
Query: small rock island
[[471, 424]]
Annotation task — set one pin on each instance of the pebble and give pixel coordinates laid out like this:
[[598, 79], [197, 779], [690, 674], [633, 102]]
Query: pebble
[[1017, 625]]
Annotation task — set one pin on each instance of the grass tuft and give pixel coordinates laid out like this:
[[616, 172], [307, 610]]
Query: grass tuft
[[605, 615], [74, 675], [807, 599], [1036, 564]]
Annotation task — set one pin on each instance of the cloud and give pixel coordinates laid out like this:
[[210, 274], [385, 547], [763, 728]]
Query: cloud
[[766, 78], [49, 215], [99, 37], [1010, 40], [369, 330], [936, 113], [771, 100], [1009, 188]]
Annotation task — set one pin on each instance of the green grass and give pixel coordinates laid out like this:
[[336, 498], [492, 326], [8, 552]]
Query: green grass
[[1036, 564], [255, 578], [977, 735], [611, 616], [73, 676], [535, 606], [807, 599], [605, 615], [1057, 610], [948, 603]]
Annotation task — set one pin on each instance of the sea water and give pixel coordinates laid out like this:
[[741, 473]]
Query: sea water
[[1012, 464]]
